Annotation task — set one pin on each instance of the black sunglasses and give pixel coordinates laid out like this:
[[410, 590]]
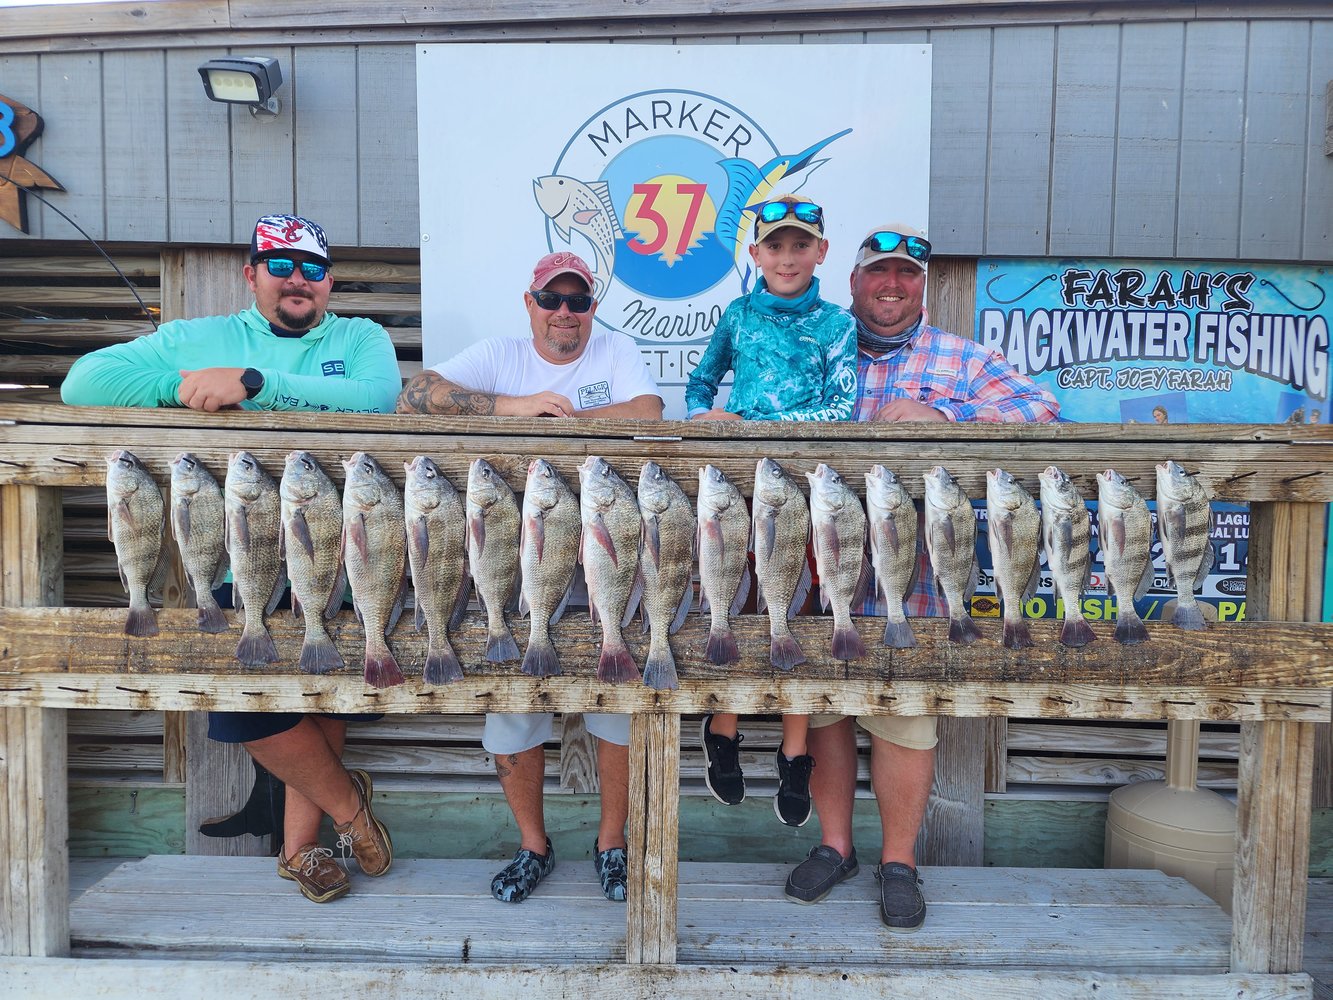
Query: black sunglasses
[[775, 211], [578, 302], [282, 267], [887, 242]]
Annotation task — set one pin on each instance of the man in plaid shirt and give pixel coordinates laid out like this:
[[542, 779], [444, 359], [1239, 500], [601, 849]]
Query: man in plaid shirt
[[906, 370]]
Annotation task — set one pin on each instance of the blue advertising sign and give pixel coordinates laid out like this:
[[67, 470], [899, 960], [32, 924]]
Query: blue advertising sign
[[1178, 342]]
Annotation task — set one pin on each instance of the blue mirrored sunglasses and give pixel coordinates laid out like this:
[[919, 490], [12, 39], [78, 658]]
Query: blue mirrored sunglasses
[[282, 267], [805, 211], [578, 302], [887, 242]]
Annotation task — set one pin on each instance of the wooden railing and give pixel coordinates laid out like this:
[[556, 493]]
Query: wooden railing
[[1273, 678]]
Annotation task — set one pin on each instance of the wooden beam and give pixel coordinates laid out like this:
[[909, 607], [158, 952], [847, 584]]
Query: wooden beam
[[1272, 845], [142, 979], [578, 755], [954, 830], [653, 842], [34, 796]]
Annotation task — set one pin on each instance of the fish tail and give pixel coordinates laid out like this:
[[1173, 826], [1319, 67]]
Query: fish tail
[[142, 620], [319, 655], [722, 648], [785, 652], [1076, 632], [382, 669], [659, 670], [963, 630], [1189, 617], [211, 618], [898, 634], [1129, 629], [616, 665], [541, 660], [501, 647], [441, 667], [1017, 635], [847, 644], [256, 646]]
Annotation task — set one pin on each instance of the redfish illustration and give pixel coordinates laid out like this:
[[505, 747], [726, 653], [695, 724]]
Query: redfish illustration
[[573, 205]]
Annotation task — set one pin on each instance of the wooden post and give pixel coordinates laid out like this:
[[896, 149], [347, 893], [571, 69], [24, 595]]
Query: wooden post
[[578, 756], [654, 853], [34, 787], [953, 831], [1276, 770], [206, 282], [1272, 846]]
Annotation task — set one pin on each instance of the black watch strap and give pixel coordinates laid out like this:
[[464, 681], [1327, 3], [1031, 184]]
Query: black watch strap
[[253, 380]]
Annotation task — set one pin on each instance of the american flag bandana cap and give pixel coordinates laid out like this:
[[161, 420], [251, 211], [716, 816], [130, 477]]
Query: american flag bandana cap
[[276, 233]]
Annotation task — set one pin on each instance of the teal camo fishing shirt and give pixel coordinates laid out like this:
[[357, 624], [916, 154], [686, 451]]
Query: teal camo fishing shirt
[[794, 359]]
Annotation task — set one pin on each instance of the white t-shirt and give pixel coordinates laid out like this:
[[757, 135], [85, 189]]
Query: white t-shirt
[[610, 370]]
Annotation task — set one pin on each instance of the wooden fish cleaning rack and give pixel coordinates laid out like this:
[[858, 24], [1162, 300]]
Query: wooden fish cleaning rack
[[1274, 677]]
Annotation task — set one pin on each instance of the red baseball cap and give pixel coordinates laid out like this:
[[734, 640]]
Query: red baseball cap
[[553, 265]]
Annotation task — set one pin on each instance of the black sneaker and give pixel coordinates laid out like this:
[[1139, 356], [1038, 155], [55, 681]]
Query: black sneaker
[[792, 801], [901, 905], [610, 865], [722, 765], [515, 881], [815, 877]]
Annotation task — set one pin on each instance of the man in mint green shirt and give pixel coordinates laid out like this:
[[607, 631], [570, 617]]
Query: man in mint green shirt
[[286, 352]]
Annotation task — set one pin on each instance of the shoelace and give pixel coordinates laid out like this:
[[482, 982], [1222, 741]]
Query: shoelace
[[313, 858], [799, 775], [729, 754], [347, 840]]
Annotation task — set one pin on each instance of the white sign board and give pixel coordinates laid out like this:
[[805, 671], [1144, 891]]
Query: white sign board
[[648, 161]]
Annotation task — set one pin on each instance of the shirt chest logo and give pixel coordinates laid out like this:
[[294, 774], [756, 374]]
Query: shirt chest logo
[[330, 368], [597, 394]]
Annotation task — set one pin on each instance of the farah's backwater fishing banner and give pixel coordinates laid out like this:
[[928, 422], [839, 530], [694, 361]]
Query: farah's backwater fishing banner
[[648, 161], [1119, 341]]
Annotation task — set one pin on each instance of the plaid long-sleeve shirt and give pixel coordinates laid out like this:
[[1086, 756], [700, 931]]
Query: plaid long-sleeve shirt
[[965, 382]]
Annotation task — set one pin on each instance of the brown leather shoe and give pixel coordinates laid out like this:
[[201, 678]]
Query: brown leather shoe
[[364, 835], [313, 870]]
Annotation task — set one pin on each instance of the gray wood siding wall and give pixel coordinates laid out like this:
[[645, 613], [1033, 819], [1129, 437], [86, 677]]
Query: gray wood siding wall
[[1162, 139]]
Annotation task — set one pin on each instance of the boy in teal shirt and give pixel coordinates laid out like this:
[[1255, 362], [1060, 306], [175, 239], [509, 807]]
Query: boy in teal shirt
[[794, 358]]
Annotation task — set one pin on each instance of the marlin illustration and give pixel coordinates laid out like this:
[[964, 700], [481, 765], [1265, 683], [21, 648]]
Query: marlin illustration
[[747, 189], [573, 205]]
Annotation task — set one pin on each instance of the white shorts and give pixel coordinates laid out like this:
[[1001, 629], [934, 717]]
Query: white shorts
[[514, 732]]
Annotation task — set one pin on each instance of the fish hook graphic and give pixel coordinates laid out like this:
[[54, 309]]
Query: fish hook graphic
[[1009, 302], [1317, 288]]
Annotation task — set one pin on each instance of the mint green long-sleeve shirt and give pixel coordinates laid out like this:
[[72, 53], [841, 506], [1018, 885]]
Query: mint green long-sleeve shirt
[[342, 365]]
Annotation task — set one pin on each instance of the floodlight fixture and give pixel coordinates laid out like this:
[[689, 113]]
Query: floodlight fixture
[[248, 80]]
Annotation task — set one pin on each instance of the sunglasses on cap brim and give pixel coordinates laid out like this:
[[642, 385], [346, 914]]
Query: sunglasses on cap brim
[[578, 302], [775, 211], [888, 242], [283, 267]]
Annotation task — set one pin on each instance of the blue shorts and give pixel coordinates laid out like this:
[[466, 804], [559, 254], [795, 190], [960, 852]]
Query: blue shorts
[[245, 727]]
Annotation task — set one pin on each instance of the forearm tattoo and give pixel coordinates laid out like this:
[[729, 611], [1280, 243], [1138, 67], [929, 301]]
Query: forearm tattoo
[[429, 393]]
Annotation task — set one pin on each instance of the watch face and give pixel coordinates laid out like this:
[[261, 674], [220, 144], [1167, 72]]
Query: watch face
[[252, 380]]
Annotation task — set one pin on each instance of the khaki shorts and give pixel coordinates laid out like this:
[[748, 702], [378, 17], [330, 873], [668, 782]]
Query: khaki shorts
[[912, 733]]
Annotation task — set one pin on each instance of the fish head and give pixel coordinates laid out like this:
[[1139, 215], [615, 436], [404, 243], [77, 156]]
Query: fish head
[[483, 483], [187, 473], [544, 484], [1002, 489], [125, 474], [941, 488], [1058, 490], [884, 490], [827, 488], [1174, 483], [772, 485], [366, 481], [553, 194], [597, 482], [716, 491], [654, 488], [245, 476], [303, 477]]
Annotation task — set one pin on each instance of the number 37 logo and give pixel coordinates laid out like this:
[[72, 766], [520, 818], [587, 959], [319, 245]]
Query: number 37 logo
[[669, 216]]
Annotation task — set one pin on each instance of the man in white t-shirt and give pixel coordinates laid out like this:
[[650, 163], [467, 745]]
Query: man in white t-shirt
[[564, 369]]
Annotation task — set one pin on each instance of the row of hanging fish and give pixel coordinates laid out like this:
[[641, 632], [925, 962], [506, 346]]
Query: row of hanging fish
[[637, 550]]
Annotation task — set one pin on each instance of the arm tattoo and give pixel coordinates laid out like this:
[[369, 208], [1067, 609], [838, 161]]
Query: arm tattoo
[[427, 392]]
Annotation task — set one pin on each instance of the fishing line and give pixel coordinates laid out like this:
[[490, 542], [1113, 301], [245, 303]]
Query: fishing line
[[129, 284], [1317, 288], [1009, 302]]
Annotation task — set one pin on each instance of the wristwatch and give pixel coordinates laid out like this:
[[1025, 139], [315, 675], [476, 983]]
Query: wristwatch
[[253, 380]]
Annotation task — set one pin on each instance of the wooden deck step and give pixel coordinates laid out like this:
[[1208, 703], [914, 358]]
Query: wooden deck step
[[442, 911]]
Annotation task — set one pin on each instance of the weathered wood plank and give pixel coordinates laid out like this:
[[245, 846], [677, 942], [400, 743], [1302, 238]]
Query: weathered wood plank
[[997, 752], [1018, 163], [1272, 833], [578, 755], [321, 107], [953, 831], [1114, 741], [41, 266], [1106, 771], [140, 979], [133, 106]]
